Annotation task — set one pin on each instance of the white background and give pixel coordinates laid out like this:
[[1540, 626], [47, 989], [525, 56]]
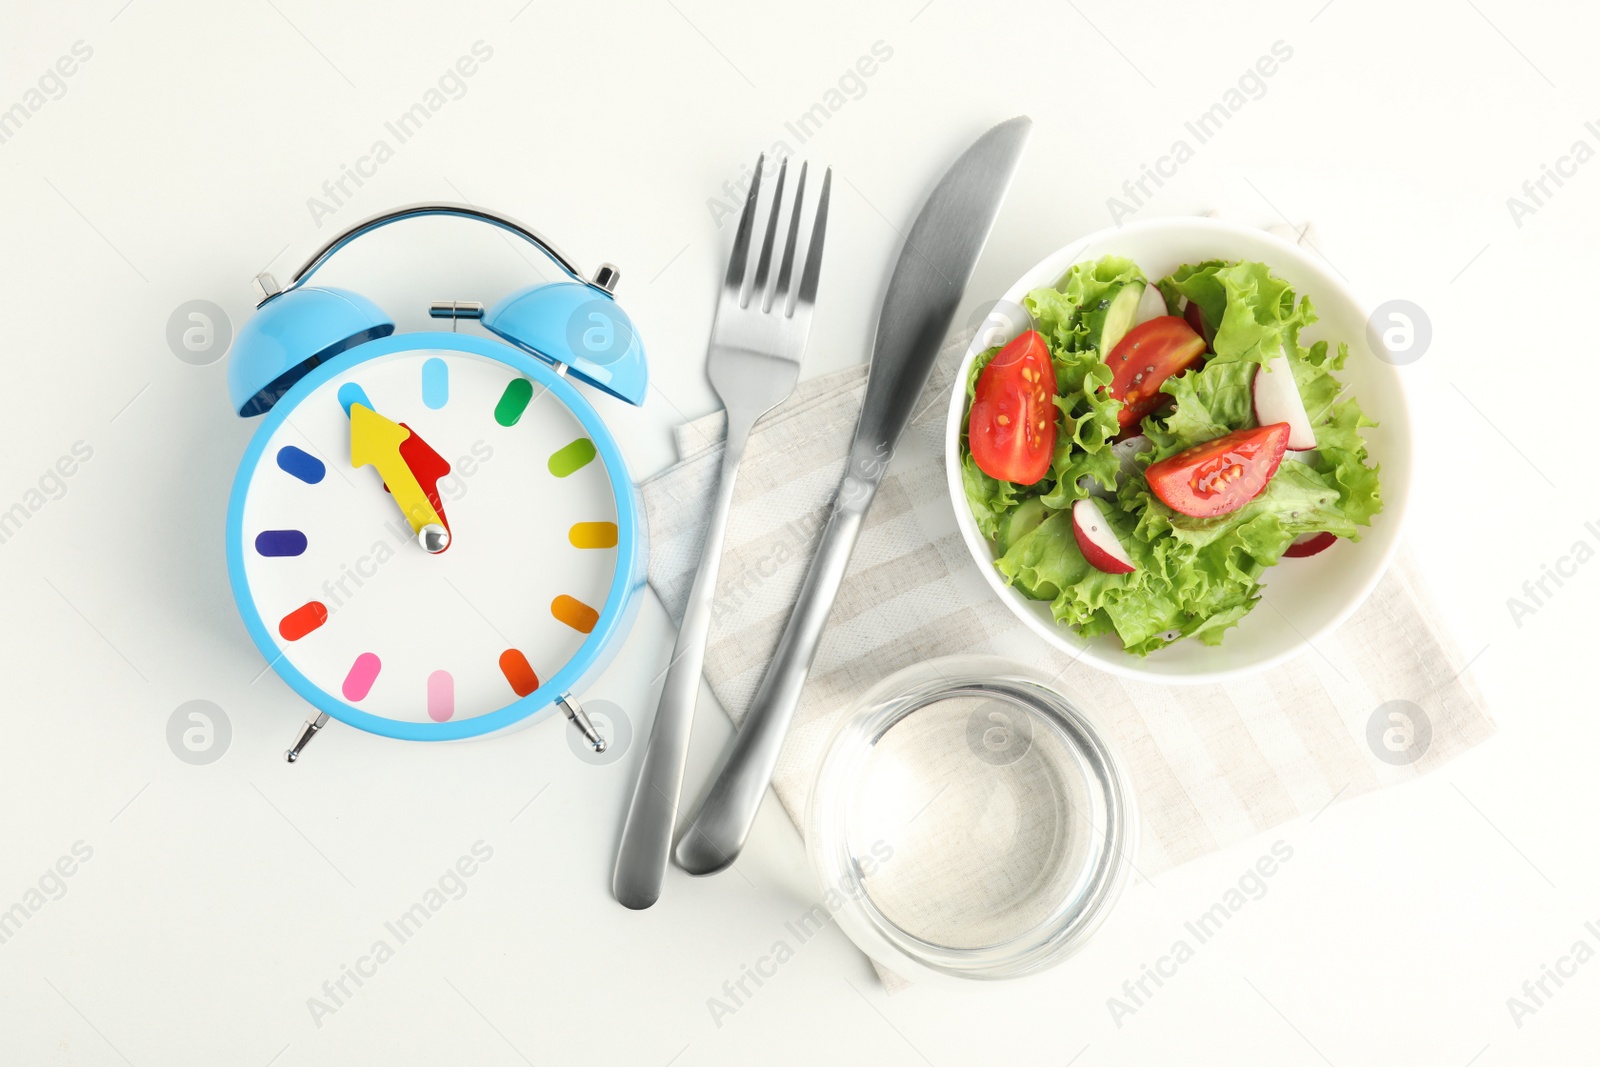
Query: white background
[[219, 898]]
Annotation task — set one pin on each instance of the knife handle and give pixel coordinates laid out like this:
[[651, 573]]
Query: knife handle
[[717, 834]]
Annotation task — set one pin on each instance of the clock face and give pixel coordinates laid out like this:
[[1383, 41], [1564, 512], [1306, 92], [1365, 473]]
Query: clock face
[[428, 536]]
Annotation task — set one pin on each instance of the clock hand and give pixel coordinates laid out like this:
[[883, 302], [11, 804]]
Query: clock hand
[[377, 442], [428, 467]]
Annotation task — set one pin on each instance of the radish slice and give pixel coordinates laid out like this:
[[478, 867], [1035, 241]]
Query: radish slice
[[1197, 322], [1096, 540], [1277, 399], [1308, 545], [1152, 305], [1127, 453]]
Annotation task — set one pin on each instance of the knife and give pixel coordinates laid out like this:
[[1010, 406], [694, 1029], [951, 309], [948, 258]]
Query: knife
[[923, 294]]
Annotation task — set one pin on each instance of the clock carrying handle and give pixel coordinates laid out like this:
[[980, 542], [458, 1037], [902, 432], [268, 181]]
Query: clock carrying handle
[[604, 281]]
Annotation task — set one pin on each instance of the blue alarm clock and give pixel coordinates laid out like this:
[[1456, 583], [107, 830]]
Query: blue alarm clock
[[433, 535]]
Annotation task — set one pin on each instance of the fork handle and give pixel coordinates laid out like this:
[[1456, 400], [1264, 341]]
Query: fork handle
[[652, 815], [717, 834]]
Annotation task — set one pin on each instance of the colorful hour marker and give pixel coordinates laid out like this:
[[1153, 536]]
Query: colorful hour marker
[[436, 383], [593, 535], [302, 620], [301, 464], [350, 393], [363, 672], [280, 542], [570, 458], [575, 613], [513, 402], [514, 665], [441, 696]]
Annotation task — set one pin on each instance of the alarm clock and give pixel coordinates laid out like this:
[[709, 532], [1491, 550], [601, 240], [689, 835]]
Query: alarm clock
[[433, 536]]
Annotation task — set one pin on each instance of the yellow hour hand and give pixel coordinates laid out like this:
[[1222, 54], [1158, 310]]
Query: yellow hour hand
[[375, 441]]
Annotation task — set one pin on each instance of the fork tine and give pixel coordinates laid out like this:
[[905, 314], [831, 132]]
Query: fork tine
[[764, 265], [786, 268], [819, 226], [741, 237]]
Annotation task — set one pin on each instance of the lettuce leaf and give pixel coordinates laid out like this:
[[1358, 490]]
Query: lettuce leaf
[[1070, 318], [1254, 313], [989, 498]]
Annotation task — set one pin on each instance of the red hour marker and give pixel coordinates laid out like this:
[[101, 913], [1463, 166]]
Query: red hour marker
[[514, 665], [302, 620]]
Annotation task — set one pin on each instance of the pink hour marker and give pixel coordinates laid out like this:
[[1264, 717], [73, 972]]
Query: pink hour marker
[[441, 696], [363, 672]]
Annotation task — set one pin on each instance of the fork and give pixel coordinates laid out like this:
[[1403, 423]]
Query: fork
[[753, 361]]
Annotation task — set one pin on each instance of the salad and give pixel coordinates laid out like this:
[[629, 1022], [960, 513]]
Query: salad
[[1142, 455]]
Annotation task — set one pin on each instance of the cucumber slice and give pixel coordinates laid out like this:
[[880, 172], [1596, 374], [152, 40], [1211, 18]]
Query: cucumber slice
[[1042, 591], [1019, 522], [1108, 325]]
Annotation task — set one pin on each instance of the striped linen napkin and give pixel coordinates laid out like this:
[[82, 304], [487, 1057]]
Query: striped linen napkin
[[1211, 765]]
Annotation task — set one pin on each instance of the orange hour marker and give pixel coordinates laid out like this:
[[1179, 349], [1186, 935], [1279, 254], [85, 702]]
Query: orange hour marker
[[593, 535], [302, 620], [514, 665], [575, 613]]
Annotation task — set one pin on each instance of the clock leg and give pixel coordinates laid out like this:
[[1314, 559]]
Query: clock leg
[[307, 732], [585, 725]]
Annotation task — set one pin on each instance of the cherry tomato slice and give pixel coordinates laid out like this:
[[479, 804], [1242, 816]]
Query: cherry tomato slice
[[1220, 475], [1012, 426], [1148, 355]]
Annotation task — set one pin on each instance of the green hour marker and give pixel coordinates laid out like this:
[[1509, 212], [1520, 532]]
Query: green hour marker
[[573, 457], [513, 402]]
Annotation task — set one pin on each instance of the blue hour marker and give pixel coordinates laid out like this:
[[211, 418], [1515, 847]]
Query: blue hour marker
[[351, 393], [435, 383], [302, 465], [280, 542]]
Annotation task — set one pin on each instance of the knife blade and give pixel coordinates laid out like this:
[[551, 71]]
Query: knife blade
[[924, 291]]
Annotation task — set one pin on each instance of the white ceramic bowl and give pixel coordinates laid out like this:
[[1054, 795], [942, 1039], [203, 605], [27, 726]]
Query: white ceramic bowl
[[1312, 595]]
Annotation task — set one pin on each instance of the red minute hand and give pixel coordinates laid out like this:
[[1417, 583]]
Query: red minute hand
[[427, 466]]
